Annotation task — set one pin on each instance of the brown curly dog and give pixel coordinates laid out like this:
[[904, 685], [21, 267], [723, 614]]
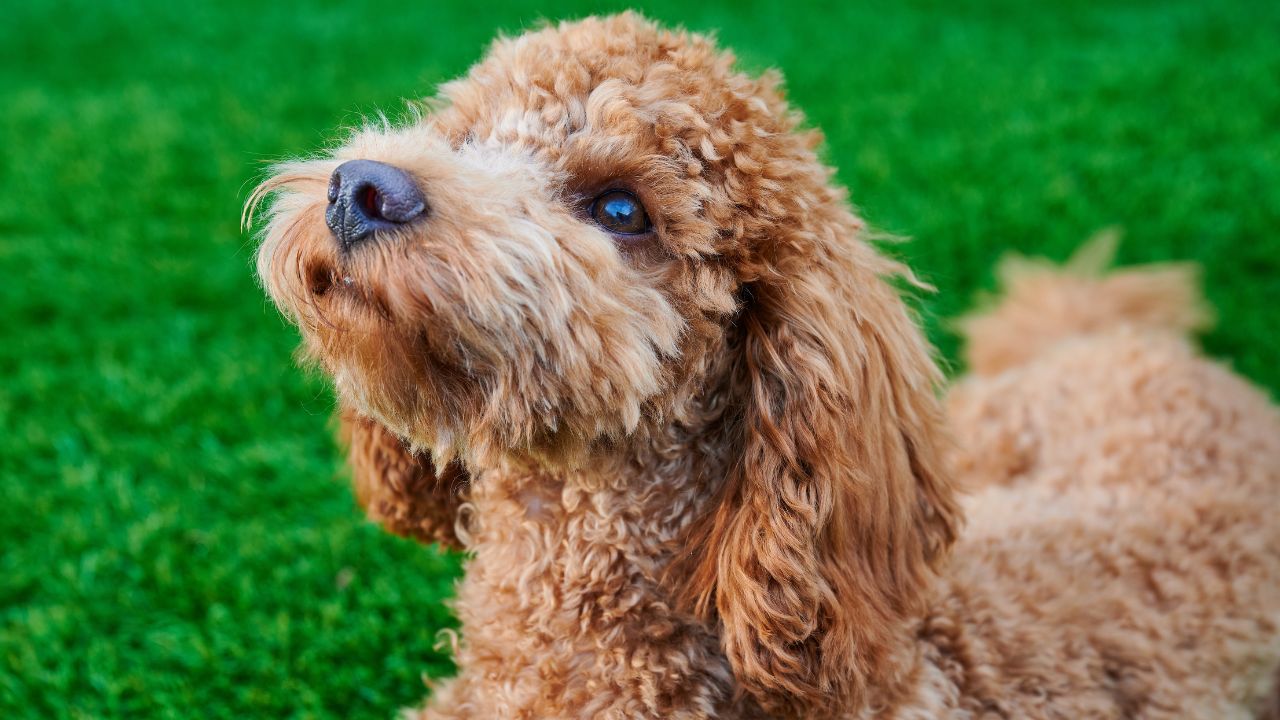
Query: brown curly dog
[[600, 317]]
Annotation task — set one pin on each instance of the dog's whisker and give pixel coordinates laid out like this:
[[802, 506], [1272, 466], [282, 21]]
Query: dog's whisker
[[306, 176]]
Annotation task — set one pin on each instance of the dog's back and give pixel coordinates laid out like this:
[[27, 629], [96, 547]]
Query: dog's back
[[1125, 495]]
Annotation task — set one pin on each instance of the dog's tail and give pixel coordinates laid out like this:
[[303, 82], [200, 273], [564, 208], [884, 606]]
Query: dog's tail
[[1041, 304]]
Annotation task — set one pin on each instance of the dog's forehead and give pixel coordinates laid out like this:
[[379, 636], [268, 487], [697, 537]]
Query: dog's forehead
[[618, 101], [618, 75]]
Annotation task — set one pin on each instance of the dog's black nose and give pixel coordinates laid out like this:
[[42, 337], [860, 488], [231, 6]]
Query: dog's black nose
[[366, 196]]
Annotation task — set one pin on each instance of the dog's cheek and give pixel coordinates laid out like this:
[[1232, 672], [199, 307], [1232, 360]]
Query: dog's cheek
[[588, 338], [628, 345]]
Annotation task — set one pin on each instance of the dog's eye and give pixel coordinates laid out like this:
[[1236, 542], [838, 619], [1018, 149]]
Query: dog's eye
[[619, 211]]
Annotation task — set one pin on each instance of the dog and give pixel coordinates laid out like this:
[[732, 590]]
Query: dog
[[600, 317]]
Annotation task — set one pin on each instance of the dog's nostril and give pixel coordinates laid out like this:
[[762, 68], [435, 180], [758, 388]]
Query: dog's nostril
[[371, 202], [366, 196]]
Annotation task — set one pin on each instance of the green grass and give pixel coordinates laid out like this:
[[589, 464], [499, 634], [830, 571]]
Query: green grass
[[176, 539]]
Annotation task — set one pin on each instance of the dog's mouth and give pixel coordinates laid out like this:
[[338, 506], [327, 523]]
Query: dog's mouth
[[324, 280], [337, 296]]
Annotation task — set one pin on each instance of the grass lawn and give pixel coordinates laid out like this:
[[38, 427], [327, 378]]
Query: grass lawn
[[176, 537]]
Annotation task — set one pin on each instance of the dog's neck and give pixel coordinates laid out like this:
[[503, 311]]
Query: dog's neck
[[564, 592], [646, 499], [567, 590]]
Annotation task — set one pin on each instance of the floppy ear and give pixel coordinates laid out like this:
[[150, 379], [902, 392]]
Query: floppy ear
[[401, 490], [835, 506]]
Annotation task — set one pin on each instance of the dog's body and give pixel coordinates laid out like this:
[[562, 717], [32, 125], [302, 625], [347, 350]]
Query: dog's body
[[1119, 553], [1121, 557], [700, 464]]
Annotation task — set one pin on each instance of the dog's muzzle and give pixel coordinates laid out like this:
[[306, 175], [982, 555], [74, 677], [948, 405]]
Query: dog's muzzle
[[366, 196]]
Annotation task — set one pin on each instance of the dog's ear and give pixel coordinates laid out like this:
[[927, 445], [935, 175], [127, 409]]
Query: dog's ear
[[402, 490], [835, 507]]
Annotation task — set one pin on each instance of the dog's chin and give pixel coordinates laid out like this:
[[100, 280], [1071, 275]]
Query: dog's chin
[[426, 403], [453, 412], [453, 425], [395, 370], [415, 381]]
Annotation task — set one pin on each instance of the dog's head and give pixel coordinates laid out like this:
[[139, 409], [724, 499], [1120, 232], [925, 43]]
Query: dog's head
[[604, 231]]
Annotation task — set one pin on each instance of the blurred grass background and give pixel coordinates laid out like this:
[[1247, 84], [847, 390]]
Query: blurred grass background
[[175, 536]]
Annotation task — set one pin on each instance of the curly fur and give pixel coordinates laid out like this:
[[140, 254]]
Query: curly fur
[[706, 473]]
